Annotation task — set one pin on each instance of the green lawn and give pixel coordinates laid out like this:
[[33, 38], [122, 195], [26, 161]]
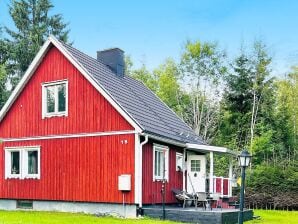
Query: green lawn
[[30, 217], [275, 217]]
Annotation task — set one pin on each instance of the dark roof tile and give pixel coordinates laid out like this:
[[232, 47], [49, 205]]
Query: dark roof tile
[[137, 100]]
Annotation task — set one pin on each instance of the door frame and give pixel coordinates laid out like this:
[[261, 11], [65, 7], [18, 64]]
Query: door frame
[[203, 166]]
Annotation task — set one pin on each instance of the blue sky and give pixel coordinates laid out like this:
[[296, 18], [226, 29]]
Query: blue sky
[[151, 31]]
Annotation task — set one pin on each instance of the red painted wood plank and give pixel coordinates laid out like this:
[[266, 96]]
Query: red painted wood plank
[[71, 170], [25, 116], [74, 169], [152, 189]]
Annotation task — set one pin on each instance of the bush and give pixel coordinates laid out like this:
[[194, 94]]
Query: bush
[[272, 187]]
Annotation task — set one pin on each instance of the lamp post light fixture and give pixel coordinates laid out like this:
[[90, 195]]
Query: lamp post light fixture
[[244, 160]]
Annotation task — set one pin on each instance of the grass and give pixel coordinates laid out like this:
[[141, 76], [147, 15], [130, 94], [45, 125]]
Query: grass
[[30, 217], [275, 217]]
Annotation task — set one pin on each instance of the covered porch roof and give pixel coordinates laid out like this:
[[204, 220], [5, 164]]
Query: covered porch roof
[[209, 148]]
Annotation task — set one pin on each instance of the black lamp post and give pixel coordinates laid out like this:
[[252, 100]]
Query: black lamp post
[[244, 161]]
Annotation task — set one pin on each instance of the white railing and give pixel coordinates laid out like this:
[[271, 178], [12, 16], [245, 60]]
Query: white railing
[[224, 190]]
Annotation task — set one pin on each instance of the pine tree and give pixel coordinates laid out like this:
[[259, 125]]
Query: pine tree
[[33, 25]]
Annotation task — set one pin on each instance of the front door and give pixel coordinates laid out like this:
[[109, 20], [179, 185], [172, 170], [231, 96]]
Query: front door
[[196, 173]]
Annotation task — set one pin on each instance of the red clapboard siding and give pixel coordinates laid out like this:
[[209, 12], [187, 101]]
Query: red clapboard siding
[[73, 169], [88, 110], [151, 189], [78, 169]]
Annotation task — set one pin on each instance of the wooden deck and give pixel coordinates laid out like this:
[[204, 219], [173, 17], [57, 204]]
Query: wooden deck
[[197, 215]]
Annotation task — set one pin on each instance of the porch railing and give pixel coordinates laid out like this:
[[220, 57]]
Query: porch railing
[[222, 185]]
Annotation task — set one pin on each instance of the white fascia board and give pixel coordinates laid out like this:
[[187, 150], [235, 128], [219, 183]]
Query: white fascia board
[[35, 63], [209, 148], [31, 69], [96, 85]]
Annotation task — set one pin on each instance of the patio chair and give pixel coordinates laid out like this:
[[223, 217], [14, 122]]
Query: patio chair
[[202, 199], [185, 198]]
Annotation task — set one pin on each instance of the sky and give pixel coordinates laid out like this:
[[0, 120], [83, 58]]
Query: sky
[[151, 31]]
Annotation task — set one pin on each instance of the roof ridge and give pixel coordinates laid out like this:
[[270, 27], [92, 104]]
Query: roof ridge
[[86, 55]]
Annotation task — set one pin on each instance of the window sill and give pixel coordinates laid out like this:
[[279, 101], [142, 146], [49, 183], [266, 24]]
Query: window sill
[[64, 114], [33, 176], [13, 177], [160, 180], [22, 178]]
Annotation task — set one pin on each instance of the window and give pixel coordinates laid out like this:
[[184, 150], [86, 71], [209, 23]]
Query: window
[[195, 165], [54, 99], [179, 161], [22, 162], [24, 204], [160, 162]]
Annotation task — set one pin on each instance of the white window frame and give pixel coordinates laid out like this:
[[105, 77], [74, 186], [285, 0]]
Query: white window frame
[[161, 148], [23, 162], [179, 156], [45, 114], [8, 173]]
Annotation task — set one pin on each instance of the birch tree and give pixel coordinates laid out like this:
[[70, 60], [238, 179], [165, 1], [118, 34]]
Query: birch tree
[[261, 82], [202, 66]]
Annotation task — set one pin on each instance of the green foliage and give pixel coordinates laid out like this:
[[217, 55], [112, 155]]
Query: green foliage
[[145, 76], [33, 24], [164, 82], [237, 104], [3, 90], [202, 67], [273, 186], [248, 102]]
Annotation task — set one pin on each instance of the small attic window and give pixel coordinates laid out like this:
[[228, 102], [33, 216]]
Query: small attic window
[[55, 99]]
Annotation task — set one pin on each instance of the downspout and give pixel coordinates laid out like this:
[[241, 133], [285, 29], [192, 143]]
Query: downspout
[[140, 179], [184, 169]]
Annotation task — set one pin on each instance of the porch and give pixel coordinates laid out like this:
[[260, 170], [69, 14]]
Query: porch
[[208, 182], [196, 215]]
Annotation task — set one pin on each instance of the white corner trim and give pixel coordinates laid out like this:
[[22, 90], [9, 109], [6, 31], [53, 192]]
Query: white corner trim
[[77, 135], [38, 58], [137, 168]]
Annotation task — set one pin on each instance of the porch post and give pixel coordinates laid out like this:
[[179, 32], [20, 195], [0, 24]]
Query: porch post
[[211, 174], [230, 176], [183, 169]]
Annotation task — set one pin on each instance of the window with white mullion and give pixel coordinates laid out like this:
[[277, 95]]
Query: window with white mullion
[[55, 99], [160, 162], [22, 162]]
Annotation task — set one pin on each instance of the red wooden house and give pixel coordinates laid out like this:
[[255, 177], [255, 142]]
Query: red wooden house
[[78, 135]]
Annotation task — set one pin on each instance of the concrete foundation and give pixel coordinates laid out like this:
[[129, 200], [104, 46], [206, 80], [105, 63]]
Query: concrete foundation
[[128, 211]]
